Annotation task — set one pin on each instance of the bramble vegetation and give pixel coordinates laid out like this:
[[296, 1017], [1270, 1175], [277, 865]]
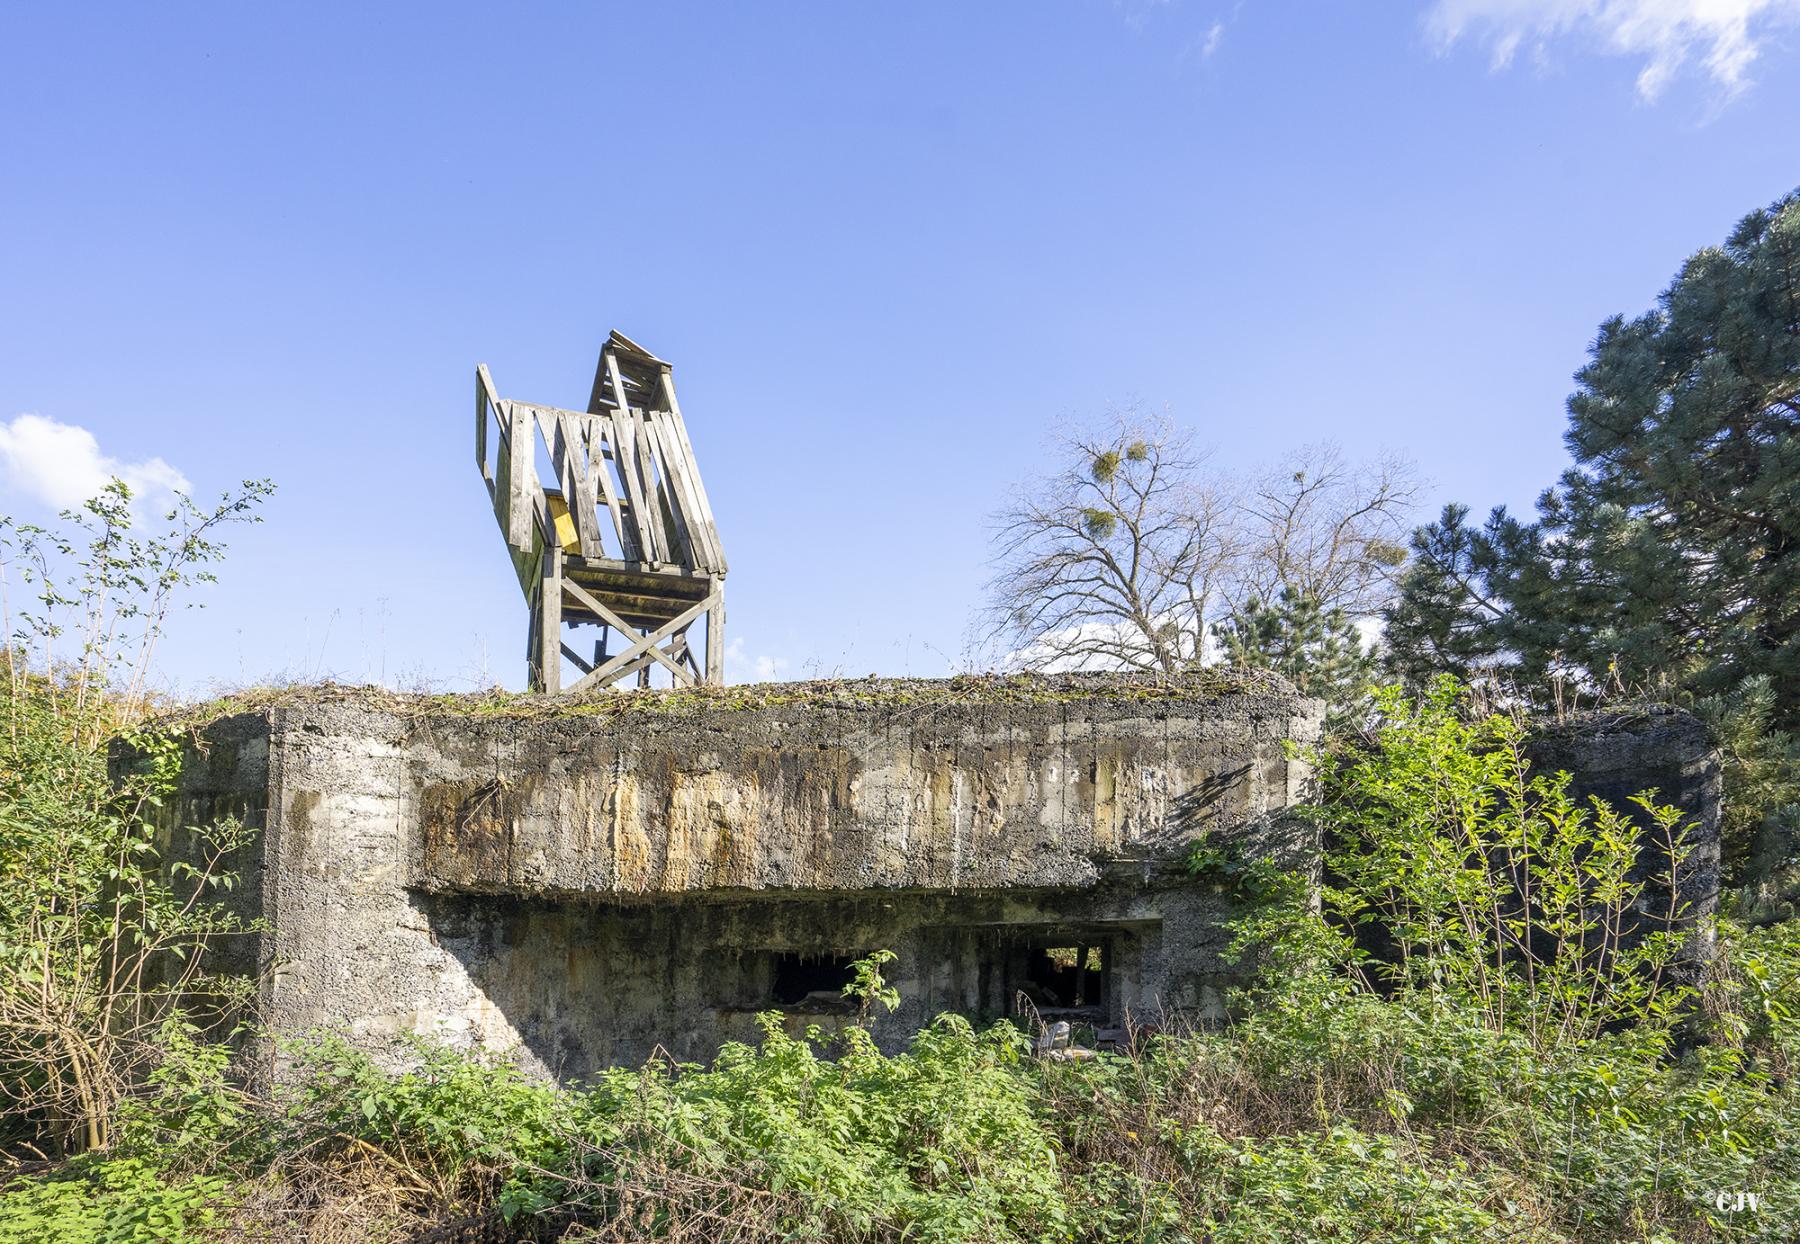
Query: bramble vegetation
[[1328, 1113]]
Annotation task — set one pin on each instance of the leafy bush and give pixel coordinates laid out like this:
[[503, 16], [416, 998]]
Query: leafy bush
[[102, 934], [1491, 886]]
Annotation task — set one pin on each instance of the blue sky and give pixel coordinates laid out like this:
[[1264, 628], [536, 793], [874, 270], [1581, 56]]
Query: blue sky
[[886, 247]]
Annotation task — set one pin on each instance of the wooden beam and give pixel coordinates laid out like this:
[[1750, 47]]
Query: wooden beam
[[599, 610], [631, 471], [550, 622], [521, 484], [631, 533], [578, 491], [598, 470], [484, 400], [674, 576], [668, 457]]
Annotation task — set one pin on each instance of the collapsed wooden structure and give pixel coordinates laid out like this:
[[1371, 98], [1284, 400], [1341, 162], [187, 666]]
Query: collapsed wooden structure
[[624, 540]]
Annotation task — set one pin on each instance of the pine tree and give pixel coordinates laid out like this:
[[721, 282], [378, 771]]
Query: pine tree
[[1319, 650], [1670, 551]]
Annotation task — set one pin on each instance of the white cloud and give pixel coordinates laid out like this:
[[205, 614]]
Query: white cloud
[[763, 668], [1724, 36], [60, 465], [1213, 38]]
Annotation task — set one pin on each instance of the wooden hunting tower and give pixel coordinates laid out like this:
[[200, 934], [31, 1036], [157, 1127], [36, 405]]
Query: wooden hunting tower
[[625, 540]]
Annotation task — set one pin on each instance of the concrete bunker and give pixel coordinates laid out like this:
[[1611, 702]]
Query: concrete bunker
[[581, 882]]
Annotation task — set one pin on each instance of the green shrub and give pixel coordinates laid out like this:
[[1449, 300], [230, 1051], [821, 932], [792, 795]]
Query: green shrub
[[1494, 888]]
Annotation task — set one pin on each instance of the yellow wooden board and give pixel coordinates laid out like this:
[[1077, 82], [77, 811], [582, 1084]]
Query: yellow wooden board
[[564, 522]]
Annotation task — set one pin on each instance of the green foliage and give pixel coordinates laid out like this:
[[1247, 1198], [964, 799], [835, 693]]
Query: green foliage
[[99, 591], [1319, 650], [1759, 831], [1344, 1184], [117, 1201], [868, 986], [1496, 890], [1329, 1112], [103, 927], [1667, 558]]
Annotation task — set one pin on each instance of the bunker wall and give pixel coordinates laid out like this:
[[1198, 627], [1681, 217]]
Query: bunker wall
[[579, 890]]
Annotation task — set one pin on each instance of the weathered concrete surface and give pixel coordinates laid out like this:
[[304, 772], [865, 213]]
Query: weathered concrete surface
[[578, 887], [813, 796]]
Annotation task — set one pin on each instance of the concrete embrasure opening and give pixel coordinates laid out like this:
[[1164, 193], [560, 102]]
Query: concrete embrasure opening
[[812, 982], [1069, 978]]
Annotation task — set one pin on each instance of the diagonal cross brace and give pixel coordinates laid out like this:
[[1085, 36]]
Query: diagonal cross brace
[[643, 644]]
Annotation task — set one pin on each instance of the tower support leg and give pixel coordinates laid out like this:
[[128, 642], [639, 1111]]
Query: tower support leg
[[546, 627], [715, 636]]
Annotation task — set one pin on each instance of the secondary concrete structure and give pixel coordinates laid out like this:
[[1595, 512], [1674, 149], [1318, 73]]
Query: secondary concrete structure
[[579, 882]]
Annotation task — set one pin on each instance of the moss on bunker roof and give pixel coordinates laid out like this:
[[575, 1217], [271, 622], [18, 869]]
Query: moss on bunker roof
[[872, 692]]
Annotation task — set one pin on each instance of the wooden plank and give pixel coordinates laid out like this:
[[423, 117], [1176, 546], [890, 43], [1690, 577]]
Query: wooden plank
[[521, 482], [704, 516], [678, 465], [484, 388], [669, 458], [578, 490], [629, 416], [635, 658], [638, 665], [661, 606], [503, 490], [598, 469], [656, 488], [625, 454], [675, 578], [550, 622], [534, 674], [641, 483], [577, 660], [600, 611], [623, 342], [705, 553], [631, 540]]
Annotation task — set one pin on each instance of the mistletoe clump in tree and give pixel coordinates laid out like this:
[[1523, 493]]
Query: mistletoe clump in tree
[[1136, 557]]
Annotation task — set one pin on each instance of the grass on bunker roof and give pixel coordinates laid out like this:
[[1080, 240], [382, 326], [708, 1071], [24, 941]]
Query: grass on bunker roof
[[871, 692]]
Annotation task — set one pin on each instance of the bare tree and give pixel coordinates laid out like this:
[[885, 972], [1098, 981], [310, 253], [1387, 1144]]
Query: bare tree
[[1327, 530], [1123, 558], [1113, 562]]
